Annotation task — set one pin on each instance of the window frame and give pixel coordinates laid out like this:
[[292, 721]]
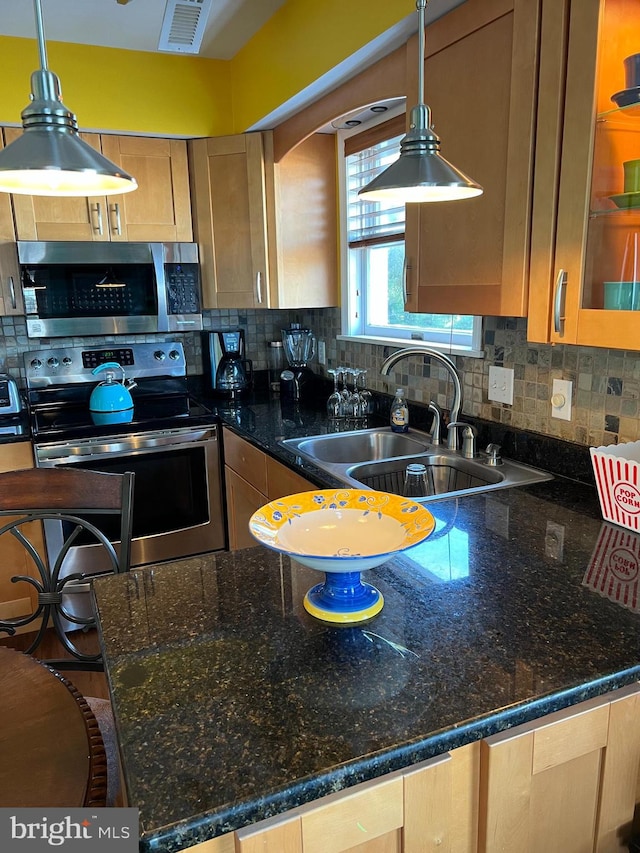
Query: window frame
[[352, 320]]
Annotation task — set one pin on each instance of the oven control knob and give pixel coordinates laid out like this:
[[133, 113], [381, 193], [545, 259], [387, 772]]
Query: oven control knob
[[36, 364], [53, 362], [66, 361], [174, 355], [159, 355]]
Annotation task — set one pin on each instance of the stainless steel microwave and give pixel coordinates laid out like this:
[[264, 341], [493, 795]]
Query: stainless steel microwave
[[71, 289]]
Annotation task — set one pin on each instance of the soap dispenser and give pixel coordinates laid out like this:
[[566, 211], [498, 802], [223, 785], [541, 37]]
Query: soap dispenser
[[399, 417]]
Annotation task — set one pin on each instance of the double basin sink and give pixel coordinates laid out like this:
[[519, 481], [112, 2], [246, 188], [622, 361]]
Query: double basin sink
[[378, 458]]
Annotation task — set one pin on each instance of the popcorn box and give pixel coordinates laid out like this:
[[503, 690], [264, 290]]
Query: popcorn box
[[617, 471], [614, 568]]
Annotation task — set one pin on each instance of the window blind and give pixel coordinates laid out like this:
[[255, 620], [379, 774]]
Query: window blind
[[370, 222]]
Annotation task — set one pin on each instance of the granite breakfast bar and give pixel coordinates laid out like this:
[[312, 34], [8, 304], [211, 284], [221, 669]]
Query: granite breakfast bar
[[233, 705]]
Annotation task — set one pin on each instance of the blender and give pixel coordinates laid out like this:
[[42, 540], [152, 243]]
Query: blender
[[297, 381]]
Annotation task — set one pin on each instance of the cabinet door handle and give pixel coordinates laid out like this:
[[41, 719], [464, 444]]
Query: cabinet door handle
[[97, 207], [118, 226], [561, 283], [259, 287], [405, 291], [12, 293]]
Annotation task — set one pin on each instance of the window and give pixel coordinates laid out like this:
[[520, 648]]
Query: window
[[373, 297]]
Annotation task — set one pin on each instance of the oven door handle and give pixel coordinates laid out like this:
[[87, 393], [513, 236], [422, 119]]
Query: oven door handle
[[68, 453]]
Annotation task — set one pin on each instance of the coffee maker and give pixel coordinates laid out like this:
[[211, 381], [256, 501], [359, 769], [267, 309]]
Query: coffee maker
[[231, 374], [297, 382]]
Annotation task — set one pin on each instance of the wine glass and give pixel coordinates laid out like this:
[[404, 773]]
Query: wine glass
[[334, 401], [366, 398]]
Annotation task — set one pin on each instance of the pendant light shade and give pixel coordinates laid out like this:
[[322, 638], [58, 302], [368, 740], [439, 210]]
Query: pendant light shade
[[421, 173], [50, 158]]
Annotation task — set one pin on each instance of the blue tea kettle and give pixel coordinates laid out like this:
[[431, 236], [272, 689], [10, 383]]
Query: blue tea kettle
[[111, 401]]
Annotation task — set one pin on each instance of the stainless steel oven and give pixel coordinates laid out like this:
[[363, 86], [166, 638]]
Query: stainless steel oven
[[171, 444], [178, 508]]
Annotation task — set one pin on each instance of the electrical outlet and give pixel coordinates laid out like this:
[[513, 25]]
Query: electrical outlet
[[501, 385], [322, 352], [561, 399]]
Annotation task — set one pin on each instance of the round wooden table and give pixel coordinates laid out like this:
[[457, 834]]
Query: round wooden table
[[51, 750]]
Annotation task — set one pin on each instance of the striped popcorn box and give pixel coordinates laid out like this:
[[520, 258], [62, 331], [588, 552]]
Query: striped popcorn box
[[617, 471], [614, 568]]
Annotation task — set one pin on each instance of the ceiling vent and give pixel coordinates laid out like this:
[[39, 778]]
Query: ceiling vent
[[183, 25]]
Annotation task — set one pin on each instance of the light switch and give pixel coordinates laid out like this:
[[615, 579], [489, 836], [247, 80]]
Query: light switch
[[561, 392], [501, 384]]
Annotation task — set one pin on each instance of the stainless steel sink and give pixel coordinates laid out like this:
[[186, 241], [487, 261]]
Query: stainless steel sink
[[360, 446], [377, 459]]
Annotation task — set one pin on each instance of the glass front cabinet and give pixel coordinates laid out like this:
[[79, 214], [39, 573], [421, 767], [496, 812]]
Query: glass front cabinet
[[585, 239]]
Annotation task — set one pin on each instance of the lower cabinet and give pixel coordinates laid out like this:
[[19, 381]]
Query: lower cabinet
[[252, 479], [16, 599], [565, 783]]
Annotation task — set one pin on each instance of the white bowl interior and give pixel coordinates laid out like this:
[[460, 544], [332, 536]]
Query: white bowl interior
[[332, 532]]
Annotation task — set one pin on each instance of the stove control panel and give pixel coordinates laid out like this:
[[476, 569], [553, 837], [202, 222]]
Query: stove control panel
[[73, 365]]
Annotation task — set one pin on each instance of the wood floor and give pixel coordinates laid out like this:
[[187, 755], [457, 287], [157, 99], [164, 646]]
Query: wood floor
[[88, 683]]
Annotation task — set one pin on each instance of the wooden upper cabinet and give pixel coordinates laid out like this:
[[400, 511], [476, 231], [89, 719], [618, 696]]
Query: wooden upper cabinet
[[585, 226], [10, 292], [472, 256], [230, 211], [267, 232], [159, 210]]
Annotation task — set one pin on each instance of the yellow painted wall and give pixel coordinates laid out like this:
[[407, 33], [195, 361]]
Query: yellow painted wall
[[118, 90], [177, 95], [301, 42]]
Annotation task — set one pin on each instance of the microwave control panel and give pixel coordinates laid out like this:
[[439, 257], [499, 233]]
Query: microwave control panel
[[183, 288]]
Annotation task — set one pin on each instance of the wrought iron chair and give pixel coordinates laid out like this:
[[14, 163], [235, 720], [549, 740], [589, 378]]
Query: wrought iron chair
[[78, 499]]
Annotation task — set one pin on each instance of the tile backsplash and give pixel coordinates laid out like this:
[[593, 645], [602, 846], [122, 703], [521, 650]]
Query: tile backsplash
[[606, 383]]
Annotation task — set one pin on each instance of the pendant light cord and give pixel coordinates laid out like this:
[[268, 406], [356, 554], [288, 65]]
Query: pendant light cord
[[421, 5], [37, 8]]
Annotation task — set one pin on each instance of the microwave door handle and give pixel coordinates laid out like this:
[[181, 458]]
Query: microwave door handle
[[157, 253]]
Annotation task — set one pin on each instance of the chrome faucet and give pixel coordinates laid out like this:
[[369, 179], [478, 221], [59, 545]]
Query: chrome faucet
[[444, 361]]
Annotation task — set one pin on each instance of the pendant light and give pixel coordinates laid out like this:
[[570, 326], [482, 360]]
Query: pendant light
[[50, 158], [420, 174]]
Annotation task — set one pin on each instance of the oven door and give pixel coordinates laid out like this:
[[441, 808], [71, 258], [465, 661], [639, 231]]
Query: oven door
[[177, 509]]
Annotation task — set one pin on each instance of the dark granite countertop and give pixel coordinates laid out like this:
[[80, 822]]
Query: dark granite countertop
[[233, 704]]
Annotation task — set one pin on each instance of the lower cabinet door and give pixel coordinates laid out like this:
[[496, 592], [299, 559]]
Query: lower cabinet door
[[563, 784], [242, 501]]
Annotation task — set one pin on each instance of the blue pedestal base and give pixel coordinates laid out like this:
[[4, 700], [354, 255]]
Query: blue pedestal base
[[343, 598]]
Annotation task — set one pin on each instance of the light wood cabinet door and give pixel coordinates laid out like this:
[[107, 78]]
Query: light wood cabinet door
[[480, 82], [441, 803], [17, 599], [11, 301], [564, 783], [247, 461], [230, 210], [7, 229], [159, 210], [585, 227], [267, 232], [242, 501], [283, 481]]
